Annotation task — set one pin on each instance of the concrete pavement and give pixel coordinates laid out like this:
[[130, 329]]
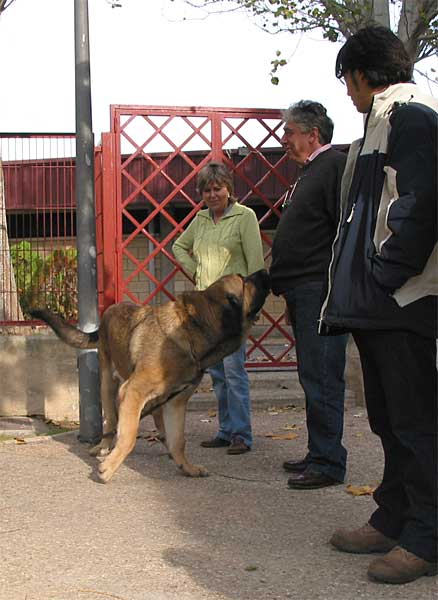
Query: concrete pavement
[[153, 534]]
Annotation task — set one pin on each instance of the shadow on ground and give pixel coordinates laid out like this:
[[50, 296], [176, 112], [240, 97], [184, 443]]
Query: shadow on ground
[[239, 534], [154, 534]]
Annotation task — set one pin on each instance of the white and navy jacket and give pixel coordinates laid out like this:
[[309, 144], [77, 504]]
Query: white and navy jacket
[[383, 273]]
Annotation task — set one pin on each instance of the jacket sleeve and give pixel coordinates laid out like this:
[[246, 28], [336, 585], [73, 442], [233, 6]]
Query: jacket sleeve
[[411, 179], [252, 242], [182, 248]]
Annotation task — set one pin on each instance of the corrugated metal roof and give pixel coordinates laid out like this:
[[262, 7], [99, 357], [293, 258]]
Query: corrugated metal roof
[[48, 184]]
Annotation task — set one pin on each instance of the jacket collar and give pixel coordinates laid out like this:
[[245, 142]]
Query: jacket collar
[[383, 102], [231, 211]]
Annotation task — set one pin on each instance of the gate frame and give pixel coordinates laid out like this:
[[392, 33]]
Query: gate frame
[[112, 204]]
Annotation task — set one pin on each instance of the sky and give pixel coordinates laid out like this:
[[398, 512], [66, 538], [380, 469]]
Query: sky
[[146, 53]]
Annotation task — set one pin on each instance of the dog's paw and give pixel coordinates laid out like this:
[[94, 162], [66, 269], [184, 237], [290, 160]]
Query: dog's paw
[[102, 449], [103, 452], [94, 451], [194, 471], [106, 469]]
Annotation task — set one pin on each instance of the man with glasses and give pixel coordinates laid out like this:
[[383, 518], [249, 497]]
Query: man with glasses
[[300, 257]]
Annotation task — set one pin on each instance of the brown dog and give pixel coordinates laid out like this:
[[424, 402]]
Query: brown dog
[[161, 353]]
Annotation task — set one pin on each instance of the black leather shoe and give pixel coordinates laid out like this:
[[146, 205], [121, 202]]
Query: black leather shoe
[[295, 466], [310, 480], [216, 442]]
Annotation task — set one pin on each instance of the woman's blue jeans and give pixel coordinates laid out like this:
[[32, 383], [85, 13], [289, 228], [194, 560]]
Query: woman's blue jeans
[[321, 366], [231, 386]]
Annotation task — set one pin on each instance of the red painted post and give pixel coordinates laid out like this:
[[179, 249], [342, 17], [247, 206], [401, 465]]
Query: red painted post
[[109, 220]]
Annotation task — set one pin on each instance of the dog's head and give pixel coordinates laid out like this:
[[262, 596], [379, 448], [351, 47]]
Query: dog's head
[[221, 316], [241, 300]]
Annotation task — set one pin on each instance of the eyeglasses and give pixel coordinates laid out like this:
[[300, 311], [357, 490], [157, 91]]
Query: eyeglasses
[[288, 195]]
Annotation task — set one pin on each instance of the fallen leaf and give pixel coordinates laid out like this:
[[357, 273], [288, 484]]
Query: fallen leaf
[[289, 427], [153, 439], [144, 435], [211, 413], [20, 441], [282, 436], [251, 568], [360, 490]]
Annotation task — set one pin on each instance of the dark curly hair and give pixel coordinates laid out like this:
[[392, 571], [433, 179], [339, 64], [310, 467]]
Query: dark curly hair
[[378, 53], [309, 114]]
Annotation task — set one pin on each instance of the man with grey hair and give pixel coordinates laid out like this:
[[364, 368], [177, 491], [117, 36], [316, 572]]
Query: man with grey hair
[[300, 257]]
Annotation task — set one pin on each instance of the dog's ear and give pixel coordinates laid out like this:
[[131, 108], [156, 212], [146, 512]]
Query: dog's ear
[[232, 319]]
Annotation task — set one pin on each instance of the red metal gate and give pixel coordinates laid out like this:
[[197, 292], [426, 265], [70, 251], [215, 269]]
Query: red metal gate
[[147, 175]]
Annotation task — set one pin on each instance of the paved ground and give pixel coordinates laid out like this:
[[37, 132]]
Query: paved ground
[[153, 534]]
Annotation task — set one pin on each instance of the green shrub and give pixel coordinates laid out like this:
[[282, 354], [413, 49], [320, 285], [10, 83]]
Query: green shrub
[[48, 280]]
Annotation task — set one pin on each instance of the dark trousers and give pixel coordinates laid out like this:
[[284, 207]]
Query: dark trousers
[[321, 365], [400, 379]]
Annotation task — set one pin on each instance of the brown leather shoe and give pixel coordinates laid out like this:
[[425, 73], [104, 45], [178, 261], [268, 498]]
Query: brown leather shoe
[[310, 480], [216, 442], [400, 566], [297, 466], [364, 540], [238, 446]]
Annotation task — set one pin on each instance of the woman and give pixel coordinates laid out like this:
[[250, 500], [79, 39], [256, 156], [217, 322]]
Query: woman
[[221, 240]]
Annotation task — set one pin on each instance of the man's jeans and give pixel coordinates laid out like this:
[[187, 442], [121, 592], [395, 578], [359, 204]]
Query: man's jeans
[[231, 386], [321, 365]]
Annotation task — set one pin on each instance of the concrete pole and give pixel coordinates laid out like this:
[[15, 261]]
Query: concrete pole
[[90, 413]]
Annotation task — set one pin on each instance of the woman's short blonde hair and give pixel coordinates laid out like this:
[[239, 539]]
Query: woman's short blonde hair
[[215, 172]]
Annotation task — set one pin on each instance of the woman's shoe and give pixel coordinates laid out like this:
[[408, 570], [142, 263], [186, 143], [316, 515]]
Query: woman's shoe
[[216, 442], [238, 446]]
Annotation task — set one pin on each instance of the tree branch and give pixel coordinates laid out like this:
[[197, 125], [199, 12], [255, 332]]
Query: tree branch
[[4, 4], [336, 19]]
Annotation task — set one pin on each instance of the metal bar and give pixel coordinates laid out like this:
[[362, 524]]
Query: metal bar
[[90, 413], [5, 134], [131, 109], [109, 217]]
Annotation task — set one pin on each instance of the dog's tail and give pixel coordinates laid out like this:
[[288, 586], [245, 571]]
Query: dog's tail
[[66, 332]]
